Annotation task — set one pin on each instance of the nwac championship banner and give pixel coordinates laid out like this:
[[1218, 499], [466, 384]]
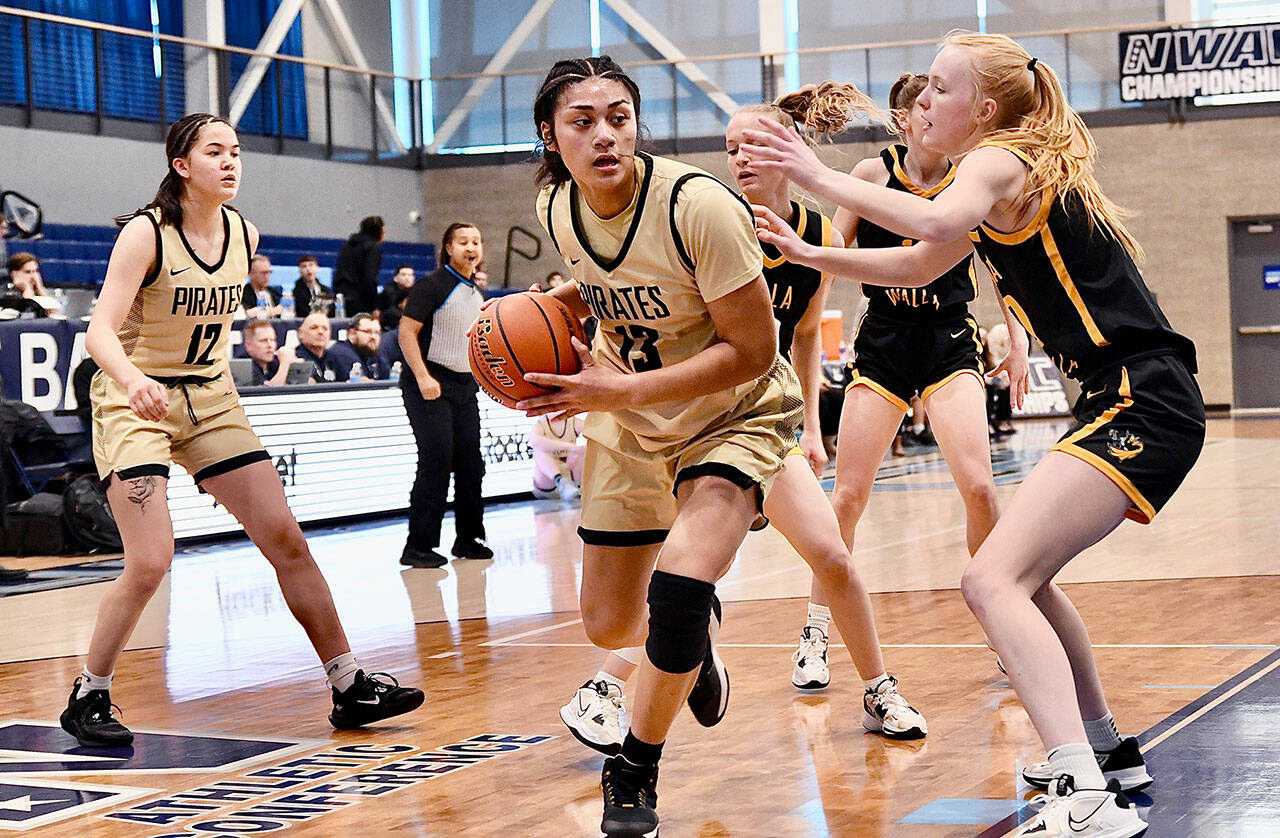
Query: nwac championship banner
[[1183, 63]]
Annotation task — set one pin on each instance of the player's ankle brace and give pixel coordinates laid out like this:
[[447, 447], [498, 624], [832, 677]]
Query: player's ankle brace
[[679, 611]]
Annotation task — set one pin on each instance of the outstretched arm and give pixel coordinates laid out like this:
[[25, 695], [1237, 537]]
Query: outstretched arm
[[984, 178], [893, 267]]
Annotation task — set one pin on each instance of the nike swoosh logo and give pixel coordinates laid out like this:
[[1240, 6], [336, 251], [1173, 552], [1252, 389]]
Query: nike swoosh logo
[[1082, 825], [1095, 393], [959, 333], [368, 701], [573, 261], [172, 272]]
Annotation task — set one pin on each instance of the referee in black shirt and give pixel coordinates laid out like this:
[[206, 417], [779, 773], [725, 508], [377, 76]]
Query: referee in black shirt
[[440, 400]]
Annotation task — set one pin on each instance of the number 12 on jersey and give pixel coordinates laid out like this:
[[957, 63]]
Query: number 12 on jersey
[[641, 341], [208, 334]]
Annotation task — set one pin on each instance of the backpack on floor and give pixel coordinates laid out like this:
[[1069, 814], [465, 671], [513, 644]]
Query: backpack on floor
[[88, 517]]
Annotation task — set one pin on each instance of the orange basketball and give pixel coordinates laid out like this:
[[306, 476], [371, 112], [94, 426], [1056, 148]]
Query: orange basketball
[[522, 333]]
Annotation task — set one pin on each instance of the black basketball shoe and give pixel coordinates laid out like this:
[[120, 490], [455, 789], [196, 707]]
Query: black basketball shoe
[[90, 721], [709, 697], [1124, 764], [371, 699], [630, 799]]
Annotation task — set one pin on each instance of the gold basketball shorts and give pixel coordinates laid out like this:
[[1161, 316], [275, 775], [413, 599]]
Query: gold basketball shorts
[[205, 431], [629, 493]]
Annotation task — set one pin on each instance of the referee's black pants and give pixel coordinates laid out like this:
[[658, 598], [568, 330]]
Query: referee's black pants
[[447, 430]]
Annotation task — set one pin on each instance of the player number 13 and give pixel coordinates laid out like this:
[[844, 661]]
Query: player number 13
[[639, 341]]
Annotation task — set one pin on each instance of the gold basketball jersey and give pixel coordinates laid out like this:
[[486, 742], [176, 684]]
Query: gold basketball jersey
[[182, 314], [648, 273]]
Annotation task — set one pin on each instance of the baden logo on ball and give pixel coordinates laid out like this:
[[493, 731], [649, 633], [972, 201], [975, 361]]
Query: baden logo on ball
[[522, 333]]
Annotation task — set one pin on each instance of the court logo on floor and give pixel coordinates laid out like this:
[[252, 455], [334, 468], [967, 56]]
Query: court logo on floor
[[32, 748]]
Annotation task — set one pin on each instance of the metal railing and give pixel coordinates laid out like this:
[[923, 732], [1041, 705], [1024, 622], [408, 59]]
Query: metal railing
[[344, 112]]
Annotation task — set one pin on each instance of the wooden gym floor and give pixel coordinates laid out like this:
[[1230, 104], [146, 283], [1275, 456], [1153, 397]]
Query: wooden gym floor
[[230, 705]]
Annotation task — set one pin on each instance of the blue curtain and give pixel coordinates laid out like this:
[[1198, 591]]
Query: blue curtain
[[246, 21], [64, 74]]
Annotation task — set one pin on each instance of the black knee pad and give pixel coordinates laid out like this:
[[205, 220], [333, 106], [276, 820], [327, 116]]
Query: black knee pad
[[679, 611]]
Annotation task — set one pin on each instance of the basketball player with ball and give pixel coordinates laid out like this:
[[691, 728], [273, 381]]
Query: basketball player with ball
[[691, 411]]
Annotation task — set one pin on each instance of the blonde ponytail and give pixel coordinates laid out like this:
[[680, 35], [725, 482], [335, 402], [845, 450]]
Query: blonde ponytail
[[826, 108], [1034, 118]]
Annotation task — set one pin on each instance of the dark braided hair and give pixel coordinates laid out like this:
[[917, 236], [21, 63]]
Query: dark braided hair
[[181, 139], [563, 74]]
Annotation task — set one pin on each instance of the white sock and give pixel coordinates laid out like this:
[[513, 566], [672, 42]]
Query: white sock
[[873, 684], [612, 680], [89, 682], [341, 671], [915, 429], [630, 654], [1077, 759], [1103, 736], [819, 618]]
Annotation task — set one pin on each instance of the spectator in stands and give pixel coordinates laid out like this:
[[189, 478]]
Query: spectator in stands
[[554, 280], [394, 296], [24, 274], [359, 352], [261, 298], [440, 400], [308, 291], [270, 364], [4, 246], [356, 276], [313, 340]]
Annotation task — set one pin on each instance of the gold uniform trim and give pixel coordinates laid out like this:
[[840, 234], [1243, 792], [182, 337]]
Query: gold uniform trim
[[900, 173], [938, 385], [803, 215], [878, 389], [1073, 293], [1143, 511]]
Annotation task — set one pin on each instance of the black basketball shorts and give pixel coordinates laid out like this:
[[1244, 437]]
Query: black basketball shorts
[[900, 360], [1142, 425]]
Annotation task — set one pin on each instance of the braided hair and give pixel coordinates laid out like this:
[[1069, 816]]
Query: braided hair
[[564, 74]]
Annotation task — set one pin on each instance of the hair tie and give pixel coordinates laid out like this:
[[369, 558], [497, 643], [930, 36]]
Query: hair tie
[[1031, 65]]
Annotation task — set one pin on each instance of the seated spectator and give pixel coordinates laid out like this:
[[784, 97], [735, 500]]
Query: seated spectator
[[554, 280], [389, 349], [313, 340], [261, 298], [995, 346], [394, 296], [24, 275], [270, 364], [359, 351], [308, 292], [558, 450]]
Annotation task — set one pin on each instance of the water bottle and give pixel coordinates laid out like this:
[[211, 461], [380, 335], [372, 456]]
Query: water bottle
[[287, 310], [355, 374], [394, 375], [339, 308]]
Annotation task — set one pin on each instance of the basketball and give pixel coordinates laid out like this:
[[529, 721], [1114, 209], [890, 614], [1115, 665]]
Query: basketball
[[522, 333]]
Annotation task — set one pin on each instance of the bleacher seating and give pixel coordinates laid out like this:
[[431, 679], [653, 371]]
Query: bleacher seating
[[75, 255]]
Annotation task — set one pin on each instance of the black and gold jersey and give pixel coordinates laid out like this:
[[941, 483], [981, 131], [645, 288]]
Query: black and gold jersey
[[1075, 288], [793, 286], [181, 316], [948, 296]]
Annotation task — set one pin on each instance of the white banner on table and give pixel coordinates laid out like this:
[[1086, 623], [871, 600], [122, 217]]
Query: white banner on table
[[343, 451]]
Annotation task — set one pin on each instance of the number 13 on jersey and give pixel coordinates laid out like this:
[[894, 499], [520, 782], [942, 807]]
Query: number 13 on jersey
[[639, 347]]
